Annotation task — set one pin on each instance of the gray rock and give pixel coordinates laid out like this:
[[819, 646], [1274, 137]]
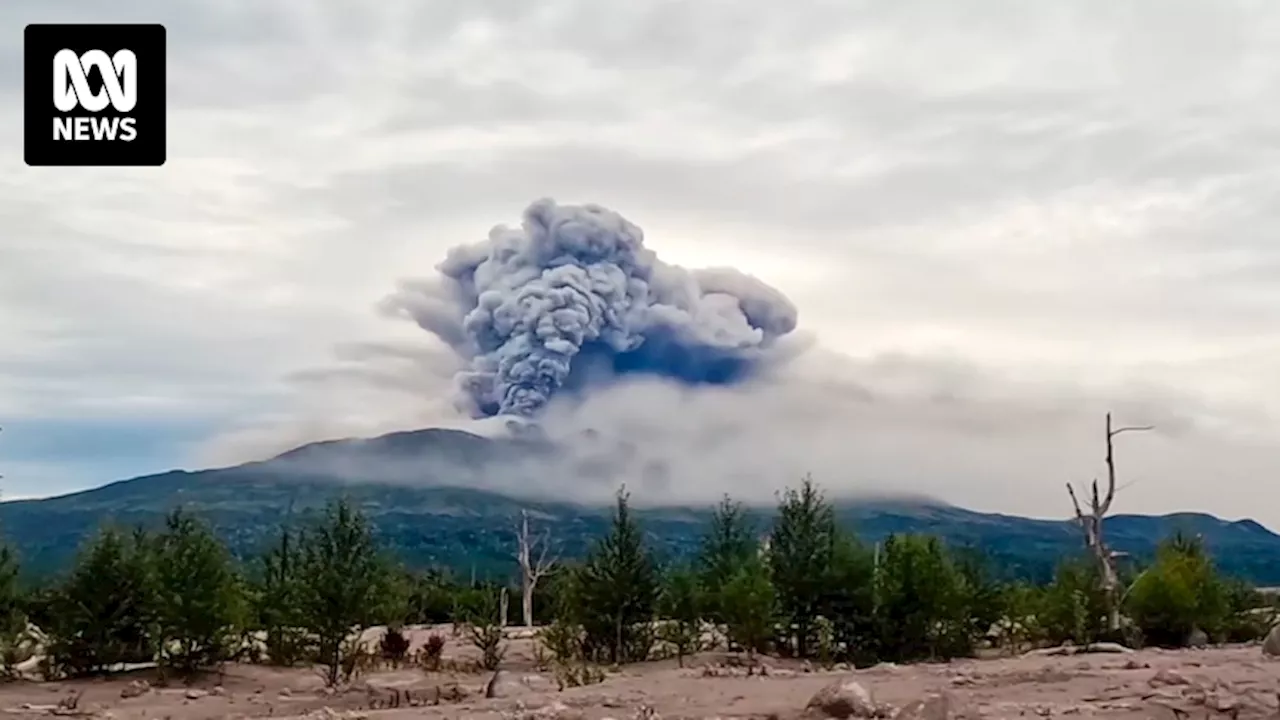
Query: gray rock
[[1107, 647], [504, 684], [934, 706], [1197, 638], [1222, 702], [556, 711], [843, 699], [1165, 676], [135, 689], [1271, 646]]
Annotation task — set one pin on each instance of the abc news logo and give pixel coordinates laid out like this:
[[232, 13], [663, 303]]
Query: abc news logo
[[71, 90], [108, 101]]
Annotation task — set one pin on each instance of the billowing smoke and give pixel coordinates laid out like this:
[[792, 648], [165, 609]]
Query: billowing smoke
[[573, 297], [718, 395]]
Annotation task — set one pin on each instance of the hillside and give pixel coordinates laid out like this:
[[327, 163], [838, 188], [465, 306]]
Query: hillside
[[466, 528]]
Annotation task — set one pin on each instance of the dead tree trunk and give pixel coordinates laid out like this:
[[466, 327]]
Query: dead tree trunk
[[532, 569], [1091, 525]]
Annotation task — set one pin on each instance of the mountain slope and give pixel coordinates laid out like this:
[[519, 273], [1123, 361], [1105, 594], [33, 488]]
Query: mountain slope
[[428, 522]]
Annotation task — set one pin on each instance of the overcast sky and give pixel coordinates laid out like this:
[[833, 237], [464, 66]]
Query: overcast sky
[[999, 218]]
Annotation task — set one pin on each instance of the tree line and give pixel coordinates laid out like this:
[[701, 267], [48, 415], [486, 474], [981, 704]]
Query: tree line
[[802, 586]]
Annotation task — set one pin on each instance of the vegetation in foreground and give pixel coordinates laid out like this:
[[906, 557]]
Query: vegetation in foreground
[[803, 587]]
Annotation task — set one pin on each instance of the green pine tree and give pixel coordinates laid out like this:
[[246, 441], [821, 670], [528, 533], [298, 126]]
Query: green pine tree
[[847, 599], [341, 578], [105, 610], [13, 618], [920, 609], [750, 607], [800, 551], [276, 596], [201, 604], [680, 606], [730, 541], [616, 590]]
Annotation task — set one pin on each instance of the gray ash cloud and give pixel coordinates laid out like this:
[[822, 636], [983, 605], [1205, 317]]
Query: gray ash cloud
[[573, 298]]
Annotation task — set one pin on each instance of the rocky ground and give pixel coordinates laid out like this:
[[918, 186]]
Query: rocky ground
[[1236, 682]]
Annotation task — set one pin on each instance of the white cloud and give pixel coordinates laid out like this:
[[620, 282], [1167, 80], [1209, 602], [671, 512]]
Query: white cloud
[[1074, 204]]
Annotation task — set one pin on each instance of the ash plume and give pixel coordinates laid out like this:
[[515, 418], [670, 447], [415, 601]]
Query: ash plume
[[686, 385], [572, 298]]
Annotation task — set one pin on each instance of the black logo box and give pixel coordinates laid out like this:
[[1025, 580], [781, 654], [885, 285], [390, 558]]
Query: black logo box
[[41, 43]]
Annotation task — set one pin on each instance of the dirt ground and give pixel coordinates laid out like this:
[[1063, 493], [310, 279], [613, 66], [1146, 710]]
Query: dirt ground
[[1235, 682]]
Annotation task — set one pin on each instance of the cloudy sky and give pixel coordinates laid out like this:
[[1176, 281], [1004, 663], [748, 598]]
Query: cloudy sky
[[998, 220]]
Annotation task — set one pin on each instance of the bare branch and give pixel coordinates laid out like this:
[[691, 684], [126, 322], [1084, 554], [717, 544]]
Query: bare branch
[[1111, 463], [545, 565], [1132, 428], [531, 570], [1072, 492], [1091, 523]]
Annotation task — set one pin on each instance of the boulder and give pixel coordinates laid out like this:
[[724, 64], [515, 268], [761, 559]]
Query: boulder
[[1271, 645], [1166, 677], [504, 685], [843, 699], [1197, 638]]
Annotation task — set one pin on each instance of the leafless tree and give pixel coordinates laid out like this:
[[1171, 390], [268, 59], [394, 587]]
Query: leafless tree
[[536, 562], [1091, 525]]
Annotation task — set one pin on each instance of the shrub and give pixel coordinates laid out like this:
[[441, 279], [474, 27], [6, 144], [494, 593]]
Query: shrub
[[430, 598], [577, 674], [488, 638], [1019, 626], [563, 640], [485, 632], [824, 641], [1248, 617], [394, 645], [1181, 592], [1073, 608], [432, 652]]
